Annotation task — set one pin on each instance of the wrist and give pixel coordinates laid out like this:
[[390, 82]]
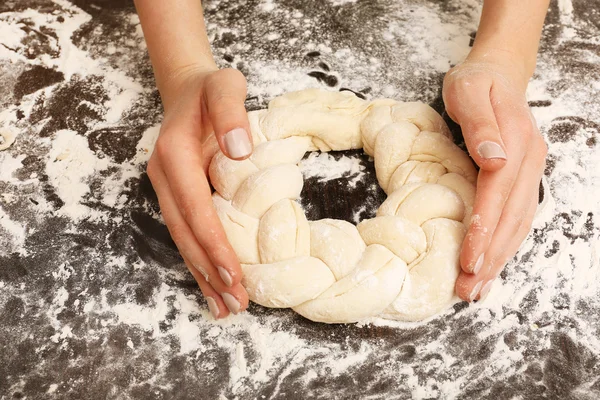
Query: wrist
[[171, 84], [509, 34], [510, 62], [521, 59]]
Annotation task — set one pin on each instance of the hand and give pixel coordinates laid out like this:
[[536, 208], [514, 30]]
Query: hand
[[486, 97], [196, 104]]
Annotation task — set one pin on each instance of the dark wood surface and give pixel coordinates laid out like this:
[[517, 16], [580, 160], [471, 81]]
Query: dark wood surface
[[100, 307]]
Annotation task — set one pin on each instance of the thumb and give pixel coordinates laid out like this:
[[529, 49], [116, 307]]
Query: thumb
[[470, 107], [224, 96]]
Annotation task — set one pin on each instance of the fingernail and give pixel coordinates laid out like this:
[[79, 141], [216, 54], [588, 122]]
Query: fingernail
[[213, 307], [478, 264], [485, 290], [491, 150], [225, 276], [231, 302], [237, 143], [475, 291]]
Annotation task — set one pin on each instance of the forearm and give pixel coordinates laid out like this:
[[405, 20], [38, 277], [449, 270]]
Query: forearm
[[176, 38], [511, 29]]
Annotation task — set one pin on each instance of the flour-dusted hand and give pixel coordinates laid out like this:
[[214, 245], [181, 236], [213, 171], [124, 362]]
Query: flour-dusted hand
[[178, 169], [199, 100], [487, 99], [485, 95]]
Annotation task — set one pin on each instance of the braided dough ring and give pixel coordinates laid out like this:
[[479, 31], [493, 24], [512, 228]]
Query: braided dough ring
[[400, 265]]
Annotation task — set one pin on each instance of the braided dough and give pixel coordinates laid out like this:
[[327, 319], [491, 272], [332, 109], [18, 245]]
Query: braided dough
[[400, 265]]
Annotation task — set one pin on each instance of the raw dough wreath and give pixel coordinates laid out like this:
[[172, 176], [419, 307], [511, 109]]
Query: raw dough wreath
[[400, 265]]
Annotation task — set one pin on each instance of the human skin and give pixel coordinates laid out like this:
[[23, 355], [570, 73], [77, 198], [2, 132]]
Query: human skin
[[485, 95], [204, 111]]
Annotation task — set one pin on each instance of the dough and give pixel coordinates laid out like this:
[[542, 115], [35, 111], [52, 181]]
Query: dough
[[7, 138], [400, 265]]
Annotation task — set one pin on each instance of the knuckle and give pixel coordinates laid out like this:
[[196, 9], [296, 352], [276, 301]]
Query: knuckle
[[226, 80], [212, 79], [538, 150], [151, 169], [527, 132], [451, 92], [463, 82], [468, 81], [223, 101], [523, 120], [541, 146], [234, 75], [481, 124], [545, 147], [162, 147], [448, 86]]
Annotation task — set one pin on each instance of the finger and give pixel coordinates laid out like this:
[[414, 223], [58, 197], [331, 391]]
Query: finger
[[517, 216], [492, 193], [493, 188], [210, 147], [516, 220], [233, 294], [192, 195], [497, 267], [467, 100], [214, 301], [513, 228], [471, 287], [224, 96], [468, 286], [498, 263]]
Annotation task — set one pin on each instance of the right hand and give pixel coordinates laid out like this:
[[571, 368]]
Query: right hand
[[198, 103], [485, 95]]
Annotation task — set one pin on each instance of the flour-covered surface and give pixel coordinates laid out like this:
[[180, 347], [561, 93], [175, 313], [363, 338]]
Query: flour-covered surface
[[94, 300]]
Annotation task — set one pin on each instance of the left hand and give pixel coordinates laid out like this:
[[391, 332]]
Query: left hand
[[198, 102], [485, 95]]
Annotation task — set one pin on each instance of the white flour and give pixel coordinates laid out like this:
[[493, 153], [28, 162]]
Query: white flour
[[327, 168], [342, 2], [70, 164], [260, 349], [7, 138], [449, 41]]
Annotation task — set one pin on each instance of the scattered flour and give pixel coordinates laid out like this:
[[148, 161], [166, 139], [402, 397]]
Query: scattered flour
[[12, 233], [7, 138], [70, 163], [325, 167], [10, 165], [342, 2], [447, 44], [267, 5], [260, 348]]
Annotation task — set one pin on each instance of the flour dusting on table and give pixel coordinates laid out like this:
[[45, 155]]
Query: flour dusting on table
[[94, 299], [325, 167]]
